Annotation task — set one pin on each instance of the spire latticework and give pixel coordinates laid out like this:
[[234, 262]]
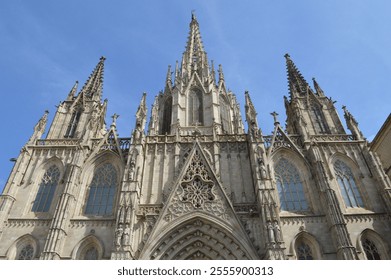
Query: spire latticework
[[296, 81], [94, 85]]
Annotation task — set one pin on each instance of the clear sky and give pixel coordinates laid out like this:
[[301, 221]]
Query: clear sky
[[45, 46]]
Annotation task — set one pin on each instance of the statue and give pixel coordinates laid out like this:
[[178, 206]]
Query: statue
[[262, 169], [126, 236], [277, 232], [270, 232], [118, 236], [132, 166]]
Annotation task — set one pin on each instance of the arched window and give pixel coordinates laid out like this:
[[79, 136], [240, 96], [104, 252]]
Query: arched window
[[102, 191], [196, 112], [91, 254], [370, 249], [167, 111], [318, 120], [70, 133], [46, 190], [304, 251], [347, 185], [27, 253], [290, 187], [224, 115]]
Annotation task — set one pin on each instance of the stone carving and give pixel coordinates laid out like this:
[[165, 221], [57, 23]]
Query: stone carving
[[197, 191]]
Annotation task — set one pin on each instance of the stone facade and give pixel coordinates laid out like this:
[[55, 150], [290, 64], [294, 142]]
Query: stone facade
[[196, 185], [381, 145]]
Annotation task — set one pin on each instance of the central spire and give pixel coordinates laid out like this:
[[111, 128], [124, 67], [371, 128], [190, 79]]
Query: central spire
[[194, 58]]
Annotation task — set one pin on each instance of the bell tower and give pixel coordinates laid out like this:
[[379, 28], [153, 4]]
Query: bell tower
[[309, 112]]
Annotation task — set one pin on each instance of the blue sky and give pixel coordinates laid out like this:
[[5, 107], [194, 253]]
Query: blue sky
[[47, 45]]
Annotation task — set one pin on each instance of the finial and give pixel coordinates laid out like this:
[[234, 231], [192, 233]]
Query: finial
[[221, 74], [287, 56], [114, 117], [193, 16], [102, 58], [275, 114]]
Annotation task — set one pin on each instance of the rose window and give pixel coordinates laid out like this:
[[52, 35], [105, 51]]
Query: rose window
[[197, 192]]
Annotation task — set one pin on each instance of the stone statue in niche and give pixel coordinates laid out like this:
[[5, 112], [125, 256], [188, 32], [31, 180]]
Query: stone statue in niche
[[270, 232], [132, 167], [277, 232], [118, 236], [262, 169]]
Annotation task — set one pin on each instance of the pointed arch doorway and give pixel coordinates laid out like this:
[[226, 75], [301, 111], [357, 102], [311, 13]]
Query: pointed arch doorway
[[198, 239]]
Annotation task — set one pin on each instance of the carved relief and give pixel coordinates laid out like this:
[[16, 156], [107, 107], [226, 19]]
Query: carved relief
[[196, 191]]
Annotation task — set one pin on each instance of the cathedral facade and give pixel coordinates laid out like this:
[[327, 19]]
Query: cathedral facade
[[194, 183]]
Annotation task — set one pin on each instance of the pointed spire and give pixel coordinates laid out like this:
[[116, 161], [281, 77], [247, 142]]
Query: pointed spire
[[317, 88], [168, 77], [39, 128], [94, 85], [251, 118], [213, 73], [221, 74], [73, 91], [297, 83], [194, 57], [176, 70], [352, 124], [141, 114]]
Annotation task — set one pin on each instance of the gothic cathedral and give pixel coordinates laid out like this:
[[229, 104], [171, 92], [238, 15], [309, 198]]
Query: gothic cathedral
[[194, 184]]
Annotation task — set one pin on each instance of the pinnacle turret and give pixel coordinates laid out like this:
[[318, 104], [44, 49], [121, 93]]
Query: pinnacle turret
[[73, 91], [317, 88]]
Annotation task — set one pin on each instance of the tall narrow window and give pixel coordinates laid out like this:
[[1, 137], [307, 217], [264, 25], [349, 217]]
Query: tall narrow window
[[27, 253], [167, 111], [303, 251], [319, 120], [102, 191], [46, 190], [347, 185], [290, 187], [73, 124], [224, 115], [370, 249], [196, 113]]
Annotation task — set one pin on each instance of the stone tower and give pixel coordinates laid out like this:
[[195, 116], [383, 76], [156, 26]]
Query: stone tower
[[195, 184]]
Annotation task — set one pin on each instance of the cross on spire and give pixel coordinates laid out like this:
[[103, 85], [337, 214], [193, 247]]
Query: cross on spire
[[275, 114], [114, 117]]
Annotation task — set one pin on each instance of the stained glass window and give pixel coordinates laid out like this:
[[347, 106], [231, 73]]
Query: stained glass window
[[26, 253], [74, 121], [91, 254], [304, 251], [290, 187], [46, 190], [167, 111], [224, 115], [349, 190], [318, 119], [102, 191], [195, 108], [370, 250]]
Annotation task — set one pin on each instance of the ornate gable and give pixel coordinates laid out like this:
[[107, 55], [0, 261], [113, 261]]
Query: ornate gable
[[197, 194]]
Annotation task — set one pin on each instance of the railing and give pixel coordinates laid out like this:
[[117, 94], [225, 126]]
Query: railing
[[57, 142], [333, 138]]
